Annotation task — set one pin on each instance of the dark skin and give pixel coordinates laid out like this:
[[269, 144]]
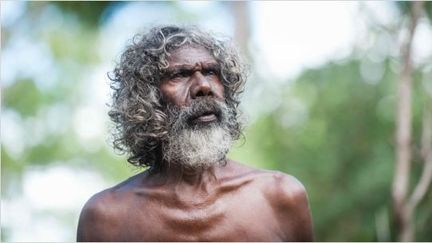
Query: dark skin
[[230, 202]]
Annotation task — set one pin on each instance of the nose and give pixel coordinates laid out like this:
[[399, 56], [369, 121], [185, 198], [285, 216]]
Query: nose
[[201, 86]]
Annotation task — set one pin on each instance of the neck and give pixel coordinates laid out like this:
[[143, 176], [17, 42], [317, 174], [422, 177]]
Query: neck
[[179, 174]]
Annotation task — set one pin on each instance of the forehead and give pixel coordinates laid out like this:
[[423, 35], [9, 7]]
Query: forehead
[[190, 55]]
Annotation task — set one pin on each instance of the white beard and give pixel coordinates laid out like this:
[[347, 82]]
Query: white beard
[[200, 148]]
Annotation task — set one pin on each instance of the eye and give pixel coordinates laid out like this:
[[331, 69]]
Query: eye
[[209, 72], [180, 74]]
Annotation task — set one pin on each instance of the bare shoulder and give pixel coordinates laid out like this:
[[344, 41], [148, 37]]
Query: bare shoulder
[[277, 184], [289, 200], [286, 189], [102, 213], [98, 210], [287, 196]]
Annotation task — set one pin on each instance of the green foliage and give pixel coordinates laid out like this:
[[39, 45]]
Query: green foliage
[[333, 129], [24, 97], [343, 151], [405, 7], [88, 12]]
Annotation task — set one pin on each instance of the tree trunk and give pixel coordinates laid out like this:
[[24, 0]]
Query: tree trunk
[[403, 214], [240, 13]]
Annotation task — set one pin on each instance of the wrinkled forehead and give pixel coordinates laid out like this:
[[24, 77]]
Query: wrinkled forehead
[[190, 55]]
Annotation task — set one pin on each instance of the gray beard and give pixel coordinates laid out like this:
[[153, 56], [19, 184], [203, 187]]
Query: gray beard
[[199, 146]]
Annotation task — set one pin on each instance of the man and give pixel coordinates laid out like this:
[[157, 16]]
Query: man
[[176, 92]]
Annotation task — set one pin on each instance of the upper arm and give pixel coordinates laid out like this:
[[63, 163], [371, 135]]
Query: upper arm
[[95, 220], [293, 208]]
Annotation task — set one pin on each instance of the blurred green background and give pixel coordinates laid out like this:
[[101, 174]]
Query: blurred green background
[[320, 105]]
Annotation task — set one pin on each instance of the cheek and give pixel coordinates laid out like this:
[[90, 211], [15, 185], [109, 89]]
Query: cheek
[[220, 89], [172, 94]]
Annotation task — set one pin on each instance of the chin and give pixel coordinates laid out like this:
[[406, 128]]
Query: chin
[[198, 147]]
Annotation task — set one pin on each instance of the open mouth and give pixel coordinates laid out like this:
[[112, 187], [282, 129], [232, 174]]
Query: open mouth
[[205, 117]]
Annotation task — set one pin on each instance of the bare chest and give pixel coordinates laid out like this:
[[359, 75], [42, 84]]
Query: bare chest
[[229, 218]]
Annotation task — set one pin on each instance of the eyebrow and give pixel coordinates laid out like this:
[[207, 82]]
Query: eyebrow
[[190, 68], [176, 68]]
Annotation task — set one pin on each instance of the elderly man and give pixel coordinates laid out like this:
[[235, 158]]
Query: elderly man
[[176, 92]]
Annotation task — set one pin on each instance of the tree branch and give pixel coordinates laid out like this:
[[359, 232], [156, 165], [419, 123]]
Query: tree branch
[[403, 119], [426, 151], [403, 213]]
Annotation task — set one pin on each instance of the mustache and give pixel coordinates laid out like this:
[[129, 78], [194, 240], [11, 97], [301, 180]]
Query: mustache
[[185, 116], [196, 144]]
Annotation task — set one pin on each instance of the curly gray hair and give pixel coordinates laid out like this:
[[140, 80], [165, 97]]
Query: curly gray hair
[[137, 110]]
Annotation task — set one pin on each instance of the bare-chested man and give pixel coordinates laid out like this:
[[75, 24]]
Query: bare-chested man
[[176, 92]]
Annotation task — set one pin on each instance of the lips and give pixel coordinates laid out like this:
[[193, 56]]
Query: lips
[[205, 117]]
